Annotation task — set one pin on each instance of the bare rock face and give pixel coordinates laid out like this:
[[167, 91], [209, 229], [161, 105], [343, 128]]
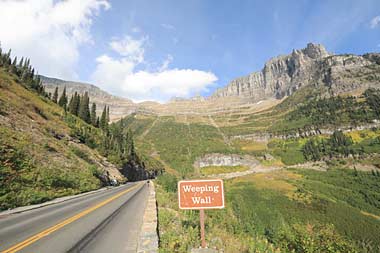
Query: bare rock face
[[313, 65], [225, 160]]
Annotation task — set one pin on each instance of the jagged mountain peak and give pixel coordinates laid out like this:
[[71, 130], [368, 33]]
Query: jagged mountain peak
[[312, 65]]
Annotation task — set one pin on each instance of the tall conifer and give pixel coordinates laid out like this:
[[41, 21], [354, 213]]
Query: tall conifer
[[63, 99], [84, 110], [93, 114], [55, 95]]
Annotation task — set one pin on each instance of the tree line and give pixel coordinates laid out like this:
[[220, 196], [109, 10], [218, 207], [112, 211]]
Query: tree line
[[79, 105], [23, 70], [339, 110], [111, 139], [338, 144]]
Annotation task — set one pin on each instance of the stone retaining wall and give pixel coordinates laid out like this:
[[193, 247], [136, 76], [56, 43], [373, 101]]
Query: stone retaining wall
[[148, 240]]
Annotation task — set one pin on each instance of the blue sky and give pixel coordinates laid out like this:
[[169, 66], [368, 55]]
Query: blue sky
[[156, 49]]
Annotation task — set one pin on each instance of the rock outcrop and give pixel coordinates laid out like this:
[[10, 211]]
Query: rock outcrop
[[225, 160], [313, 65]]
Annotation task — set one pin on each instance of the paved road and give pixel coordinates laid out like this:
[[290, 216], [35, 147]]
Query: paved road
[[106, 221]]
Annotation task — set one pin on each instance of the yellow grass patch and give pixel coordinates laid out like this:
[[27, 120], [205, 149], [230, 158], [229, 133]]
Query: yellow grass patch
[[371, 215], [355, 135], [275, 180], [211, 170], [247, 145], [273, 162]]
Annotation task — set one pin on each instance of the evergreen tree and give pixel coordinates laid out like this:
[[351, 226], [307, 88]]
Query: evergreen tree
[[84, 109], [63, 99], [21, 63], [74, 104], [70, 106], [55, 96], [93, 114], [13, 66], [108, 114], [97, 122], [103, 119]]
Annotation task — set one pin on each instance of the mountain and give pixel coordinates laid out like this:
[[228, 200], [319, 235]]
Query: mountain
[[313, 65], [281, 77], [119, 107]]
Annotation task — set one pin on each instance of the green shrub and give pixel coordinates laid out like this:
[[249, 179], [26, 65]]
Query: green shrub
[[168, 182]]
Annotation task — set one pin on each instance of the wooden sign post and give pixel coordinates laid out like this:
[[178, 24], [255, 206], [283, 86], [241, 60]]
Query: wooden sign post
[[201, 195]]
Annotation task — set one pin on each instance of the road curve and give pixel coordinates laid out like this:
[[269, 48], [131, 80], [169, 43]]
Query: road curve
[[105, 221]]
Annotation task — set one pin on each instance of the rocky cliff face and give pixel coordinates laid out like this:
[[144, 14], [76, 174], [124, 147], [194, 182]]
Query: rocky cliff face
[[313, 65]]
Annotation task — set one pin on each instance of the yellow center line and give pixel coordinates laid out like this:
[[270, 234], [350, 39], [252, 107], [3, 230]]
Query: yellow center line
[[56, 227]]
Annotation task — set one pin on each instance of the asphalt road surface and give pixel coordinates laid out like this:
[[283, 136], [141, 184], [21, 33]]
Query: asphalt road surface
[[105, 221]]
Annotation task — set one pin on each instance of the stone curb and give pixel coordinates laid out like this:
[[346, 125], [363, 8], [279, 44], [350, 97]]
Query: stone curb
[[148, 239]]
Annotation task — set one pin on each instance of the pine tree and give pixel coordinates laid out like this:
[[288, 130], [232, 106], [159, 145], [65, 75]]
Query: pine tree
[[97, 122], [21, 63], [84, 110], [76, 104], [70, 107], [63, 99], [93, 114], [7, 59], [103, 119], [13, 66], [108, 114], [55, 96]]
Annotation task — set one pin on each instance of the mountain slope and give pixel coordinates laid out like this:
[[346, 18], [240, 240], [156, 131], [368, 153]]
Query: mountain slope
[[119, 107], [40, 156]]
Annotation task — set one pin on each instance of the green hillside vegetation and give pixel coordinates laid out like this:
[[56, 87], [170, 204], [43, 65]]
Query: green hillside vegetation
[[178, 144], [212, 170], [332, 112], [294, 210], [50, 146], [38, 158]]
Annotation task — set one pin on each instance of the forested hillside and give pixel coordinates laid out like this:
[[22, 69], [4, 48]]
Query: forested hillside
[[53, 146]]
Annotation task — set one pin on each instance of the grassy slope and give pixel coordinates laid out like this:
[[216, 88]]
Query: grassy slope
[[274, 207], [282, 207], [177, 144], [38, 158]]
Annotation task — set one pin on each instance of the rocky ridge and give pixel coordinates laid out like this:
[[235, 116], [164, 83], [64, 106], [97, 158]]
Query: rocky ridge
[[280, 77], [313, 65]]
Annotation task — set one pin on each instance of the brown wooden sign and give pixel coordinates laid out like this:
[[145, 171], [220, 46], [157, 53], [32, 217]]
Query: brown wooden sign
[[201, 194]]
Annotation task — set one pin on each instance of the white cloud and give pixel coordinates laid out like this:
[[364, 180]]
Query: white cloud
[[166, 63], [120, 77], [375, 22], [161, 86], [168, 26], [129, 48], [136, 29], [50, 32]]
